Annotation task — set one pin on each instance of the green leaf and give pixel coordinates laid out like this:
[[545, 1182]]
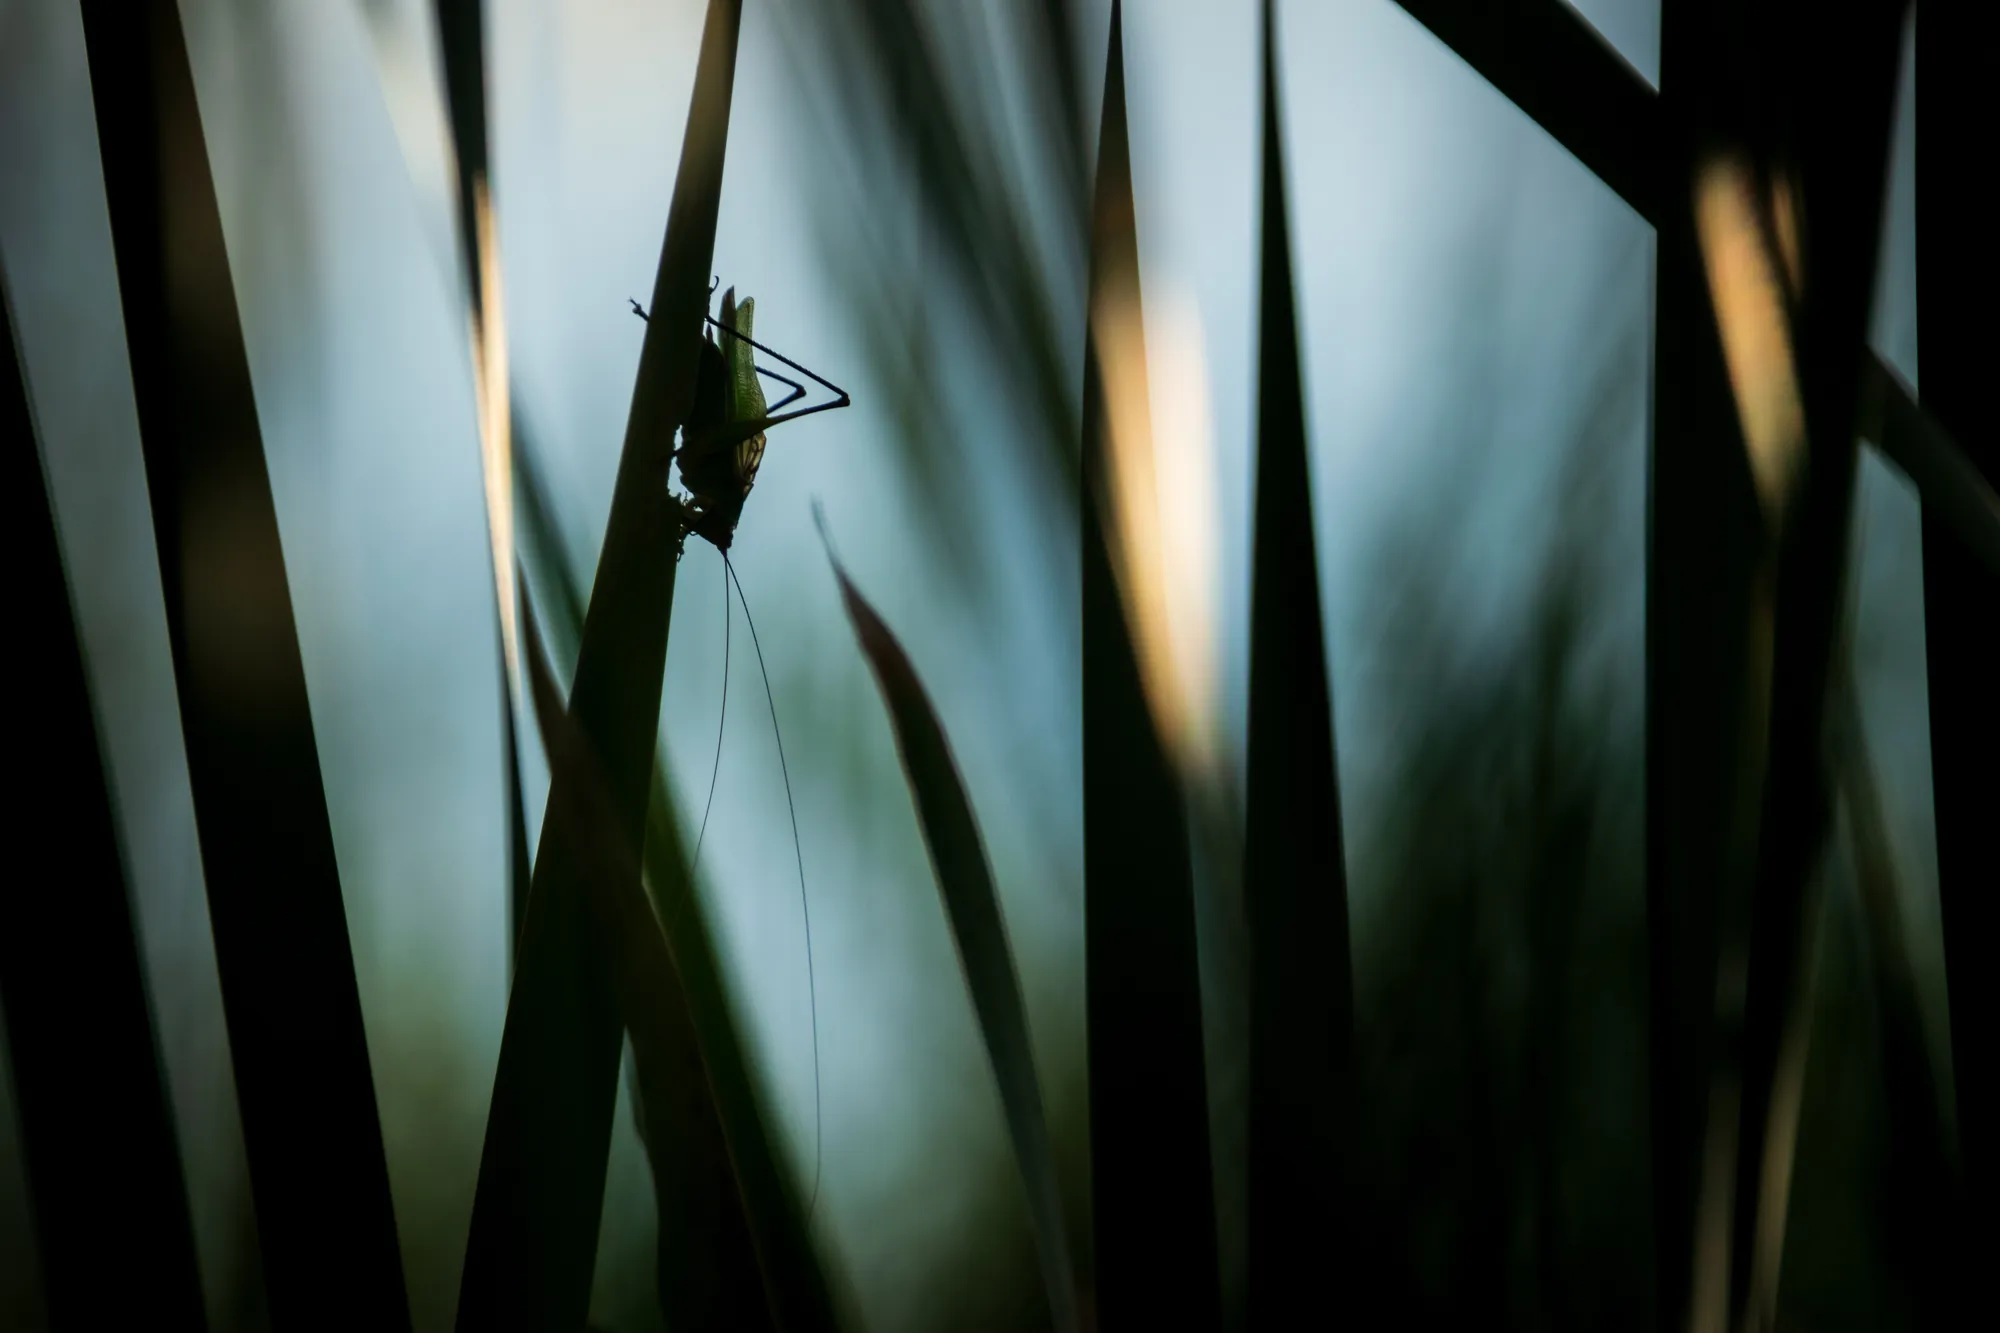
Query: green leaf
[[797, 1284], [1295, 875], [532, 1246], [1152, 1180], [965, 883], [311, 1128], [708, 1273]]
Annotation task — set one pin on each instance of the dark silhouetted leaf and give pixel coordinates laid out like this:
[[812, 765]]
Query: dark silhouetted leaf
[[797, 1284], [708, 1275], [325, 1219], [1152, 1183], [965, 883], [1956, 268], [103, 1166], [530, 1254], [1295, 873]]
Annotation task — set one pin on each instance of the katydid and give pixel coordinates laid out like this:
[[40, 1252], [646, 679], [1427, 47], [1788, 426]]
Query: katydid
[[722, 441], [722, 446]]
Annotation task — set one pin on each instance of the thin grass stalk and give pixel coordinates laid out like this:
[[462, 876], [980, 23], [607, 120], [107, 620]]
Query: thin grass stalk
[[1153, 1191], [317, 1170], [103, 1164], [1295, 872], [771, 1197], [462, 42], [1956, 273], [1924, 1173], [531, 1251], [707, 1272], [1704, 545], [1830, 100]]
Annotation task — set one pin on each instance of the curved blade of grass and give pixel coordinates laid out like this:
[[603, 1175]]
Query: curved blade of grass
[[1295, 874], [318, 1175], [103, 1165], [797, 1284], [531, 1251], [708, 1271], [462, 43], [965, 883], [1151, 1174]]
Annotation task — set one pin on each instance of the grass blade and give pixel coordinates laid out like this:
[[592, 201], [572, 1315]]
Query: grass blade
[[708, 1271], [317, 1171], [965, 883], [1152, 1182], [1843, 100], [797, 1284], [1955, 281], [530, 1254], [1295, 875], [462, 43], [70, 970]]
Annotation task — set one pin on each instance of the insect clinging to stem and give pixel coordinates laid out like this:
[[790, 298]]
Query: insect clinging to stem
[[721, 448], [722, 441]]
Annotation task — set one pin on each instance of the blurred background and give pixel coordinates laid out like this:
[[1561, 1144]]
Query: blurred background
[[1476, 314]]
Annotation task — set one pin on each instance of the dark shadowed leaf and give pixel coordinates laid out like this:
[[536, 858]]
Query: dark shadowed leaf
[[103, 1165], [1295, 874], [326, 1223], [1152, 1182], [1956, 269], [708, 1274], [530, 1254], [965, 883], [798, 1286]]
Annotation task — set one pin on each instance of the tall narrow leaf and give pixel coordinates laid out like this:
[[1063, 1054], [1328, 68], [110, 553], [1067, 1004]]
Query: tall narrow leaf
[[462, 41], [1295, 876], [1152, 1183], [708, 1275], [797, 1284], [1956, 266], [965, 883], [1703, 545], [1839, 95], [103, 1165], [317, 1172], [530, 1254]]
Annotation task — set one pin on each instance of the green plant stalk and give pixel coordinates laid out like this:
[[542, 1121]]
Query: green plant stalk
[[531, 1251], [312, 1133], [97, 1132], [707, 1265], [797, 1283], [1153, 1191], [1295, 874]]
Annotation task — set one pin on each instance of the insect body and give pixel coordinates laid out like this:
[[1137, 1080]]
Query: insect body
[[722, 441]]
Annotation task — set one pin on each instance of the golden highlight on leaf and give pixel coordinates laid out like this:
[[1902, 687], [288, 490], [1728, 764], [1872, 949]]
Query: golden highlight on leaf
[[1163, 527], [1747, 290], [489, 373]]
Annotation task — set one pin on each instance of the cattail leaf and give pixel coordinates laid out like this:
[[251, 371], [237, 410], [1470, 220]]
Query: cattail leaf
[[972, 908], [531, 1251], [1295, 876], [1153, 1193], [103, 1164], [708, 1272], [290, 1000], [797, 1283]]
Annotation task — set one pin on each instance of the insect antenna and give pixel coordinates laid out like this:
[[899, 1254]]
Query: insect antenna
[[812, 984], [715, 770]]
